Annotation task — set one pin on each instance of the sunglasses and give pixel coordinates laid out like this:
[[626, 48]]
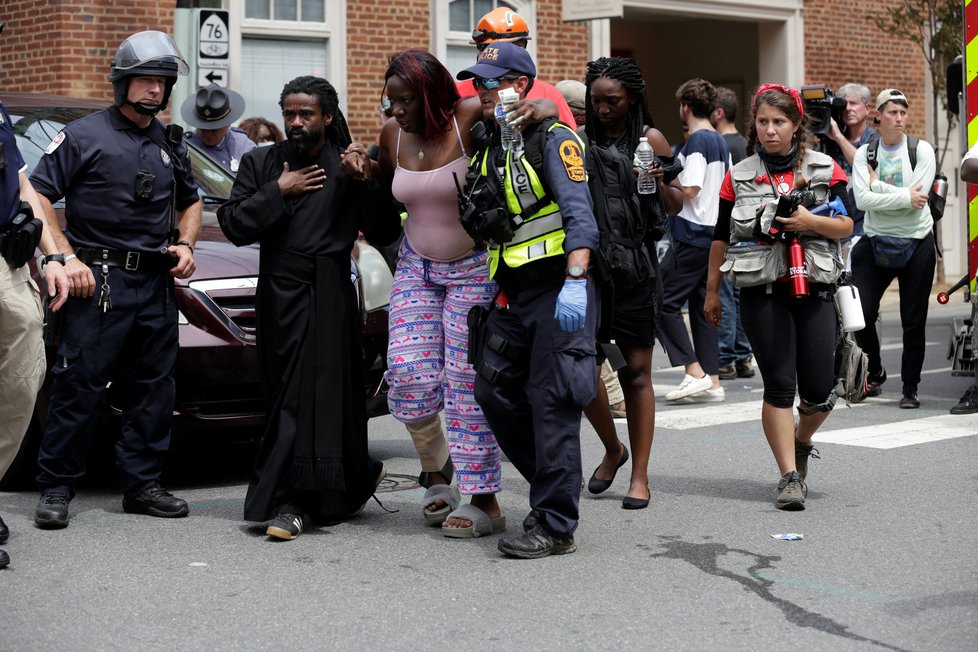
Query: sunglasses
[[490, 84]]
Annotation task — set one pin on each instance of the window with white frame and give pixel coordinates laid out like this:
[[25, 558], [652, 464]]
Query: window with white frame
[[285, 39], [452, 25]]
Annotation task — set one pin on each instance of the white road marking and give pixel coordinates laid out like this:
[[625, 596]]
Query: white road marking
[[903, 433]]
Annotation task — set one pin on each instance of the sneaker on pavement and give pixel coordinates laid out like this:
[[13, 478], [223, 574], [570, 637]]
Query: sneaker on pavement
[[791, 491], [285, 526], [727, 372], [716, 395], [909, 399], [4, 559], [4, 532], [52, 511], [968, 403], [745, 369], [155, 501], [802, 453], [875, 383], [535, 544], [690, 386]]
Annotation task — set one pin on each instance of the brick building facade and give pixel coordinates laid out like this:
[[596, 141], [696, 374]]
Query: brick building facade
[[63, 47]]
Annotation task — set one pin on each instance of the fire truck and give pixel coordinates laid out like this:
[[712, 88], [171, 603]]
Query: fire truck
[[962, 87]]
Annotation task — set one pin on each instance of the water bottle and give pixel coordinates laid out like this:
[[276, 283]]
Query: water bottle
[[645, 155], [511, 139], [797, 272], [850, 308]]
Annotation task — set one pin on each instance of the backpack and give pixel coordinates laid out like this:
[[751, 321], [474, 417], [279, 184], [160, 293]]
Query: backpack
[[621, 221], [934, 201], [851, 369]]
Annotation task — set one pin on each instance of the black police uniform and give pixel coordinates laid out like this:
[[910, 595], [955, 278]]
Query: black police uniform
[[120, 183], [533, 392]]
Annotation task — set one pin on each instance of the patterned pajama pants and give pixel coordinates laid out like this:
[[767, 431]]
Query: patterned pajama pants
[[427, 368]]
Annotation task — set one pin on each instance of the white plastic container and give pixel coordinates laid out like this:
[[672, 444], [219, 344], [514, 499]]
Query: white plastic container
[[850, 308]]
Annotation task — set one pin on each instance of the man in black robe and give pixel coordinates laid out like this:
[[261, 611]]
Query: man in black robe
[[294, 199]]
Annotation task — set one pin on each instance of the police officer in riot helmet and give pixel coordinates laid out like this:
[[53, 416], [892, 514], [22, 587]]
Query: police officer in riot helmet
[[22, 357], [133, 215]]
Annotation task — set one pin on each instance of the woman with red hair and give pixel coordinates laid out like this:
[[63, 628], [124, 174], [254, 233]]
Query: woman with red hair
[[441, 274]]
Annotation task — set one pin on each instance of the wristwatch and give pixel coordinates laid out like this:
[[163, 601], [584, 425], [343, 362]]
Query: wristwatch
[[577, 272], [56, 258]]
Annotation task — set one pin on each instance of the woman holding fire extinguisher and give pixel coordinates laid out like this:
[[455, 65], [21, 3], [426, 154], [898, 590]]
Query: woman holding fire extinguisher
[[774, 206]]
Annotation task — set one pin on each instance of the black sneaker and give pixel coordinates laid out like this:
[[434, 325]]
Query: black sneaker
[[285, 526], [791, 491], [968, 403], [531, 521], [535, 544], [4, 559], [52, 511], [909, 399], [155, 501], [4, 532], [727, 372], [802, 453], [875, 383], [745, 369]]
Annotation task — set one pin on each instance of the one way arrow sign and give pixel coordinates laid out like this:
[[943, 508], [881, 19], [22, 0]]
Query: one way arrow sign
[[217, 76]]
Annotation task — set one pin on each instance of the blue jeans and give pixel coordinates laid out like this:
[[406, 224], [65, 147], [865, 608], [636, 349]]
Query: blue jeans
[[734, 346]]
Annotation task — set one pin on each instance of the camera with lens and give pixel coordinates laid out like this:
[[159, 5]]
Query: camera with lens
[[788, 204], [143, 188], [821, 106]]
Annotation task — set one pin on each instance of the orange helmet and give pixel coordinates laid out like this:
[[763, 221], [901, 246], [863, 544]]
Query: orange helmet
[[500, 24]]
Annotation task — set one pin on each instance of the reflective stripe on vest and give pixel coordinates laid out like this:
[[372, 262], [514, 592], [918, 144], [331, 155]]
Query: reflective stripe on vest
[[537, 236]]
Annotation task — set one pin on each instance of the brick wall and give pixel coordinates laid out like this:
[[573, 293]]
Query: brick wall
[[378, 28], [842, 46], [64, 46]]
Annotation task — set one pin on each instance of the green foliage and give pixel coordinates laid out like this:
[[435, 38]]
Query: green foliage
[[934, 25]]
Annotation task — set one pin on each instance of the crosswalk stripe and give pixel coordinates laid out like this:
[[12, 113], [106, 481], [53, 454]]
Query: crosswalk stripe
[[903, 433], [702, 415]]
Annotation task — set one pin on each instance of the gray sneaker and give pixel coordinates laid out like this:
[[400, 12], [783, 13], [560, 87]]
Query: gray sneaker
[[791, 492], [802, 453]]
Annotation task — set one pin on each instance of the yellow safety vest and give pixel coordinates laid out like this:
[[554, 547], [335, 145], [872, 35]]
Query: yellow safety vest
[[538, 236]]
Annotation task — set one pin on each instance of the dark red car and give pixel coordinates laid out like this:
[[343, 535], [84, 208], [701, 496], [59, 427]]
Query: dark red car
[[217, 366]]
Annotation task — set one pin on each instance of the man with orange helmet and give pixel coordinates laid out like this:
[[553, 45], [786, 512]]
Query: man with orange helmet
[[504, 24]]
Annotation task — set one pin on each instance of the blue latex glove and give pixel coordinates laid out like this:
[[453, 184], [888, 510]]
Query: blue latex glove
[[830, 209], [572, 305]]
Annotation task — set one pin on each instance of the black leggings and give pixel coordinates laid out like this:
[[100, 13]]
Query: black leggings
[[792, 339]]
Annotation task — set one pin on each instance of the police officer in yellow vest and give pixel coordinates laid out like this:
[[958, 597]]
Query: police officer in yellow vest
[[536, 362]]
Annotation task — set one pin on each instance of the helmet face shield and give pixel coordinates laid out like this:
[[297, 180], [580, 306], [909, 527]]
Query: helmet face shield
[[148, 53]]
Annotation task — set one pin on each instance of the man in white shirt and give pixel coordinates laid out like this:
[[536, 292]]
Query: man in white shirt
[[891, 177]]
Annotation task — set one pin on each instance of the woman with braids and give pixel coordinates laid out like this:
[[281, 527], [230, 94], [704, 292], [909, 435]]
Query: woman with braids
[[440, 276], [793, 338], [617, 116], [294, 199]]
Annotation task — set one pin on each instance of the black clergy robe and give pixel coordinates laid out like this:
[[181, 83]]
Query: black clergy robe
[[313, 457]]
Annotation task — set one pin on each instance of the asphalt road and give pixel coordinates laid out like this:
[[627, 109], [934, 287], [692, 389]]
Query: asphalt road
[[887, 560]]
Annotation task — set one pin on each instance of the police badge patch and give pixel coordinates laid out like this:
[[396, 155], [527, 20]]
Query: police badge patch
[[60, 138], [165, 157], [570, 154]]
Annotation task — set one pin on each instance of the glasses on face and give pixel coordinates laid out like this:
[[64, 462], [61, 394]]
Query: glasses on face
[[490, 84]]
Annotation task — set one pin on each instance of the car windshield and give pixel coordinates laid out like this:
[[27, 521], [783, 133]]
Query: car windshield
[[37, 126]]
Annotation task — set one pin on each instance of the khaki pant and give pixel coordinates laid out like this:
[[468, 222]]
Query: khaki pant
[[610, 379], [21, 357]]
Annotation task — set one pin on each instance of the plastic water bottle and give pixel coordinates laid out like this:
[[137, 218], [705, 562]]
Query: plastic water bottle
[[511, 138], [645, 155]]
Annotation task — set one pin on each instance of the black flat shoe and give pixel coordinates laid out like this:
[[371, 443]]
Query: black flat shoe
[[635, 503], [596, 485]]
